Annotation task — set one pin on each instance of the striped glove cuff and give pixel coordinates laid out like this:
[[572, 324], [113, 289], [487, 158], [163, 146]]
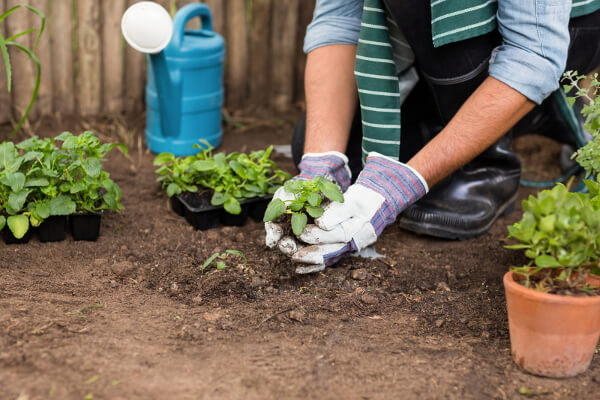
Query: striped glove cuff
[[400, 185], [332, 165]]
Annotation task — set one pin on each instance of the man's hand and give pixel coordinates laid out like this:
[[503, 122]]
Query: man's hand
[[331, 165], [383, 190]]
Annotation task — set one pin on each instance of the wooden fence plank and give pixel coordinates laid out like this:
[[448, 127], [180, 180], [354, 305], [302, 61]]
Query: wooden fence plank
[[217, 9], [89, 53], [60, 30], [237, 60], [113, 56], [43, 104], [135, 77], [305, 15], [23, 68], [260, 62], [4, 95], [283, 50]]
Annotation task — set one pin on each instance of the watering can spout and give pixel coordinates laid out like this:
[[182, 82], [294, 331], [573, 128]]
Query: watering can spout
[[148, 28]]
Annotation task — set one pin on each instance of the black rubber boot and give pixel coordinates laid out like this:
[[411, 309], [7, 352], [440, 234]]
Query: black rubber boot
[[467, 203]]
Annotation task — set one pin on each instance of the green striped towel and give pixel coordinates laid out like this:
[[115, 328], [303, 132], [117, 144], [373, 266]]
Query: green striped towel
[[384, 76]]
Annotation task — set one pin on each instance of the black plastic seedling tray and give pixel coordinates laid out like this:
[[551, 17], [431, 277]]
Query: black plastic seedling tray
[[53, 229], [9, 238], [205, 217], [85, 226]]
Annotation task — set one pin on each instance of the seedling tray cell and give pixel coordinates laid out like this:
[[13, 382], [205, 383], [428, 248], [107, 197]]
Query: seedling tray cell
[[177, 206], [9, 238], [203, 217], [85, 226], [53, 229]]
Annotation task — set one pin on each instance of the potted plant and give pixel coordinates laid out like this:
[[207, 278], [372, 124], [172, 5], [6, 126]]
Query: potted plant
[[48, 207], [87, 184], [553, 302], [219, 188]]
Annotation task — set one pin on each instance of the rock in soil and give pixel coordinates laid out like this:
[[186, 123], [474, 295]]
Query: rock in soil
[[359, 274], [369, 299], [442, 287], [439, 323], [297, 315], [123, 268]]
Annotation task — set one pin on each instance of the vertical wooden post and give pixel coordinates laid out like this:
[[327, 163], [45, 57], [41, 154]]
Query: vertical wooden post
[[89, 52], [217, 9], [237, 60], [135, 77], [305, 17], [43, 104], [60, 30], [23, 69], [283, 50], [260, 57], [112, 56], [4, 95]]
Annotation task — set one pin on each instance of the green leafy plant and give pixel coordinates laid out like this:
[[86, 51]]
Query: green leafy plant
[[560, 230], [309, 196], [219, 259], [39, 179], [232, 177], [5, 42]]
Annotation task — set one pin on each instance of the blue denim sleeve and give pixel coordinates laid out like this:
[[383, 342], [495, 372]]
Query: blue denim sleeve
[[535, 45], [334, 22]]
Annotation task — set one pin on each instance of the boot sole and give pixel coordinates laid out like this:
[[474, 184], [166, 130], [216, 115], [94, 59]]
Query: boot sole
[[447, 232]]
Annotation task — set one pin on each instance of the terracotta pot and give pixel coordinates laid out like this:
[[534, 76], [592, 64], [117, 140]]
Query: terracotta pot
[[551, 335]]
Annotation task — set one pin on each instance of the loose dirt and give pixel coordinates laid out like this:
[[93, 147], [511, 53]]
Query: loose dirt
[[132, 316]]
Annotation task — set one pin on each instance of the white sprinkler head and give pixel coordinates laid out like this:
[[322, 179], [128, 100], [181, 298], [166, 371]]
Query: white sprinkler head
[[147, 27]]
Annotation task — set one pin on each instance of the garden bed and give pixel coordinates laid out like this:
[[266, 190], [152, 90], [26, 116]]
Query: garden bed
[[132, 315]]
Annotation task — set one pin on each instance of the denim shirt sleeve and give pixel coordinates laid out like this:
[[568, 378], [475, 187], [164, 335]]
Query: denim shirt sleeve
[[535, 45], [334, 22]]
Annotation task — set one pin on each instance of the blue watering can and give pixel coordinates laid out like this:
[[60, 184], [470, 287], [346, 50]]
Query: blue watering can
[[184, 94]]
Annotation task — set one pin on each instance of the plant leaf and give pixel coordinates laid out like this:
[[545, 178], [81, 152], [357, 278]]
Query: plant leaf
[[232, 206], [204, 165], [236, 253], [331, 191], [173, 189], [221, 265], [314, 199], [18, 225], [209, 260], [2, 221], [275, 208], [42, 210], [299, 221], [62, 205], [92, 167], [314, 212], [546, 261], [218, 199], [163, 158], [16, 201]]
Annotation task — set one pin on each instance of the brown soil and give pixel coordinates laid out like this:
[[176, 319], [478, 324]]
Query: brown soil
[[133, 317]]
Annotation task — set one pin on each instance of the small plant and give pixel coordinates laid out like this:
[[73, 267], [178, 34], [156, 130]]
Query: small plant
[[220, 259], [10, 41], [39, 179], [232, 177], [560, 230], [309, 196]]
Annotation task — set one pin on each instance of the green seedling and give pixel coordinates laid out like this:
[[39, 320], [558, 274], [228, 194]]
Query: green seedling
[[39, 179], [309, 196], [232, 177], [560, 230], [5, 42], [220, 259]]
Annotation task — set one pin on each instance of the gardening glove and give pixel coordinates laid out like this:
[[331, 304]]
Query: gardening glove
[[383, 190], [331, 165]]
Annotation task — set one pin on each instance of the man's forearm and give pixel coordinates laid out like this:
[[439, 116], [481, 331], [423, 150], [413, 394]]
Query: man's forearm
[[331, 98], [489, 113]]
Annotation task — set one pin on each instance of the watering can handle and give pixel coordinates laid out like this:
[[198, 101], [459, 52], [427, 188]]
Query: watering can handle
[[185, 14]]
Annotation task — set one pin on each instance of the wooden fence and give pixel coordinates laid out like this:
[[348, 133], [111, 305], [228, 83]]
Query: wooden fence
[[87, 69]]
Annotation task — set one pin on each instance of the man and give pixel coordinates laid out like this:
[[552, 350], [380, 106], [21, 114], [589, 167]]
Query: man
[[481, 81]]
